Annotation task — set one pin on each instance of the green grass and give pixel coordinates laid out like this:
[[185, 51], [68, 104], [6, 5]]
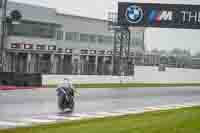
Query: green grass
[[185, 120], [126, 85]]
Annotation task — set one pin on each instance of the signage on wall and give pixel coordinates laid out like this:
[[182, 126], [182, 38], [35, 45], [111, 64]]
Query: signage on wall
[[83, 51], [52, 47], [41, 47], [109, 52], [92, 51], [28, 46], [101, 52], [16, 45], [68, 50], [159, 15]]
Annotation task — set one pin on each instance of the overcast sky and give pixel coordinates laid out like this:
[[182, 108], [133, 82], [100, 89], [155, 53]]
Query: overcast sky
[[154, 37]]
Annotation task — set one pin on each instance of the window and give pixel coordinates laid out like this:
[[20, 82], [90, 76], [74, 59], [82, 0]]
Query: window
[[84, 37], [33, 29], [1, 3], [73, 36], [92, 38], [137, 38], [60, 50], [109, 52], [43, 30], [59, 35], [105, 39], [108, 39], [100, 39]]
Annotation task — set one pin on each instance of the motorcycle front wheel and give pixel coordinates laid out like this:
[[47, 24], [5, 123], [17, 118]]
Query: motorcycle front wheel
[[60, 100], [71, 105]]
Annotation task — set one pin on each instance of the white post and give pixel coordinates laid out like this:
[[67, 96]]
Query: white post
[[28, 67], [53, 63]]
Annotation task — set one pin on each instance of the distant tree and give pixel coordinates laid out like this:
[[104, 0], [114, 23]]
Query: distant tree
[[172, 59], [187, 52], [180, 52], [163, 60], [176, 51], [163, 52], [197, 54], [155, 51]]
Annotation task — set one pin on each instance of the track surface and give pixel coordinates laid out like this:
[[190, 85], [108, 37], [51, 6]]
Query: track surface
[[20, 104]]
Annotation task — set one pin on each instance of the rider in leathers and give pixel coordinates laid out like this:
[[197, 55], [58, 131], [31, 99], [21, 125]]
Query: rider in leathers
[[67, 86]]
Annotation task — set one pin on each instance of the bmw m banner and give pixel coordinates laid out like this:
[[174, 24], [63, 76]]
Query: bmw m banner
[[159, 15]]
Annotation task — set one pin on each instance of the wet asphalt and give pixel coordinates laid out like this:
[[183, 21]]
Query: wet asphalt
[[24, 103]]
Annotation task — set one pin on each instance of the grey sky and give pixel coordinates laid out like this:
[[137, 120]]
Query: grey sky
[[155, 37]]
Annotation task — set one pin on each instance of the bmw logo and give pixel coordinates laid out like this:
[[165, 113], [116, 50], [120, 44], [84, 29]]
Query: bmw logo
[[134, 14]]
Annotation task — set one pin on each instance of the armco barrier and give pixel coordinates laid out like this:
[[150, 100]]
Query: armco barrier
[[20, 79], [82, 79], [143, 74]]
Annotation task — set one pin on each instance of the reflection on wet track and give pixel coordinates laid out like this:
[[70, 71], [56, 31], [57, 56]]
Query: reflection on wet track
[[20, 104]]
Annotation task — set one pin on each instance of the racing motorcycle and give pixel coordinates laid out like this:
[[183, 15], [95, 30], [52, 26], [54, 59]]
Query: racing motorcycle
[[65, 98]]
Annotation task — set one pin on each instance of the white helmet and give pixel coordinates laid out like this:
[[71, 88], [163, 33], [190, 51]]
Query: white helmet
[[64, 83]]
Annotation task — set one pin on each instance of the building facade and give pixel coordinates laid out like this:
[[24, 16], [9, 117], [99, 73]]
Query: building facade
[[47, 41]]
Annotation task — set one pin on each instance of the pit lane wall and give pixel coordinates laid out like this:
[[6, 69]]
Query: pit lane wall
[[142, 75]]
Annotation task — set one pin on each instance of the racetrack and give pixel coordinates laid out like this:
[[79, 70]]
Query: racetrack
[[20, 105]]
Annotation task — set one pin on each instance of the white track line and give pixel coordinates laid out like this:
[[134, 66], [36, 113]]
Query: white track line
[[32, 120], [56, 117], [80, 116], [85, 115], [120, 112], [170, 106], [106, 114], [15, 124], [152, 108], [73, 118]]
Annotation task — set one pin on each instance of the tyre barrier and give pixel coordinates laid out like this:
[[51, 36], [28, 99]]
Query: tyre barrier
[[20, 79]]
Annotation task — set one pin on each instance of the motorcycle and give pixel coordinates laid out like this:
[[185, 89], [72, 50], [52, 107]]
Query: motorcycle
[[65, 98]]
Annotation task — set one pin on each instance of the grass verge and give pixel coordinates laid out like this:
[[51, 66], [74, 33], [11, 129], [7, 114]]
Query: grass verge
[[126, 85], [173, 121]]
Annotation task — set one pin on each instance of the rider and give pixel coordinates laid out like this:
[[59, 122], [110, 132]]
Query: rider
[[67, 86], [66, 83]]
